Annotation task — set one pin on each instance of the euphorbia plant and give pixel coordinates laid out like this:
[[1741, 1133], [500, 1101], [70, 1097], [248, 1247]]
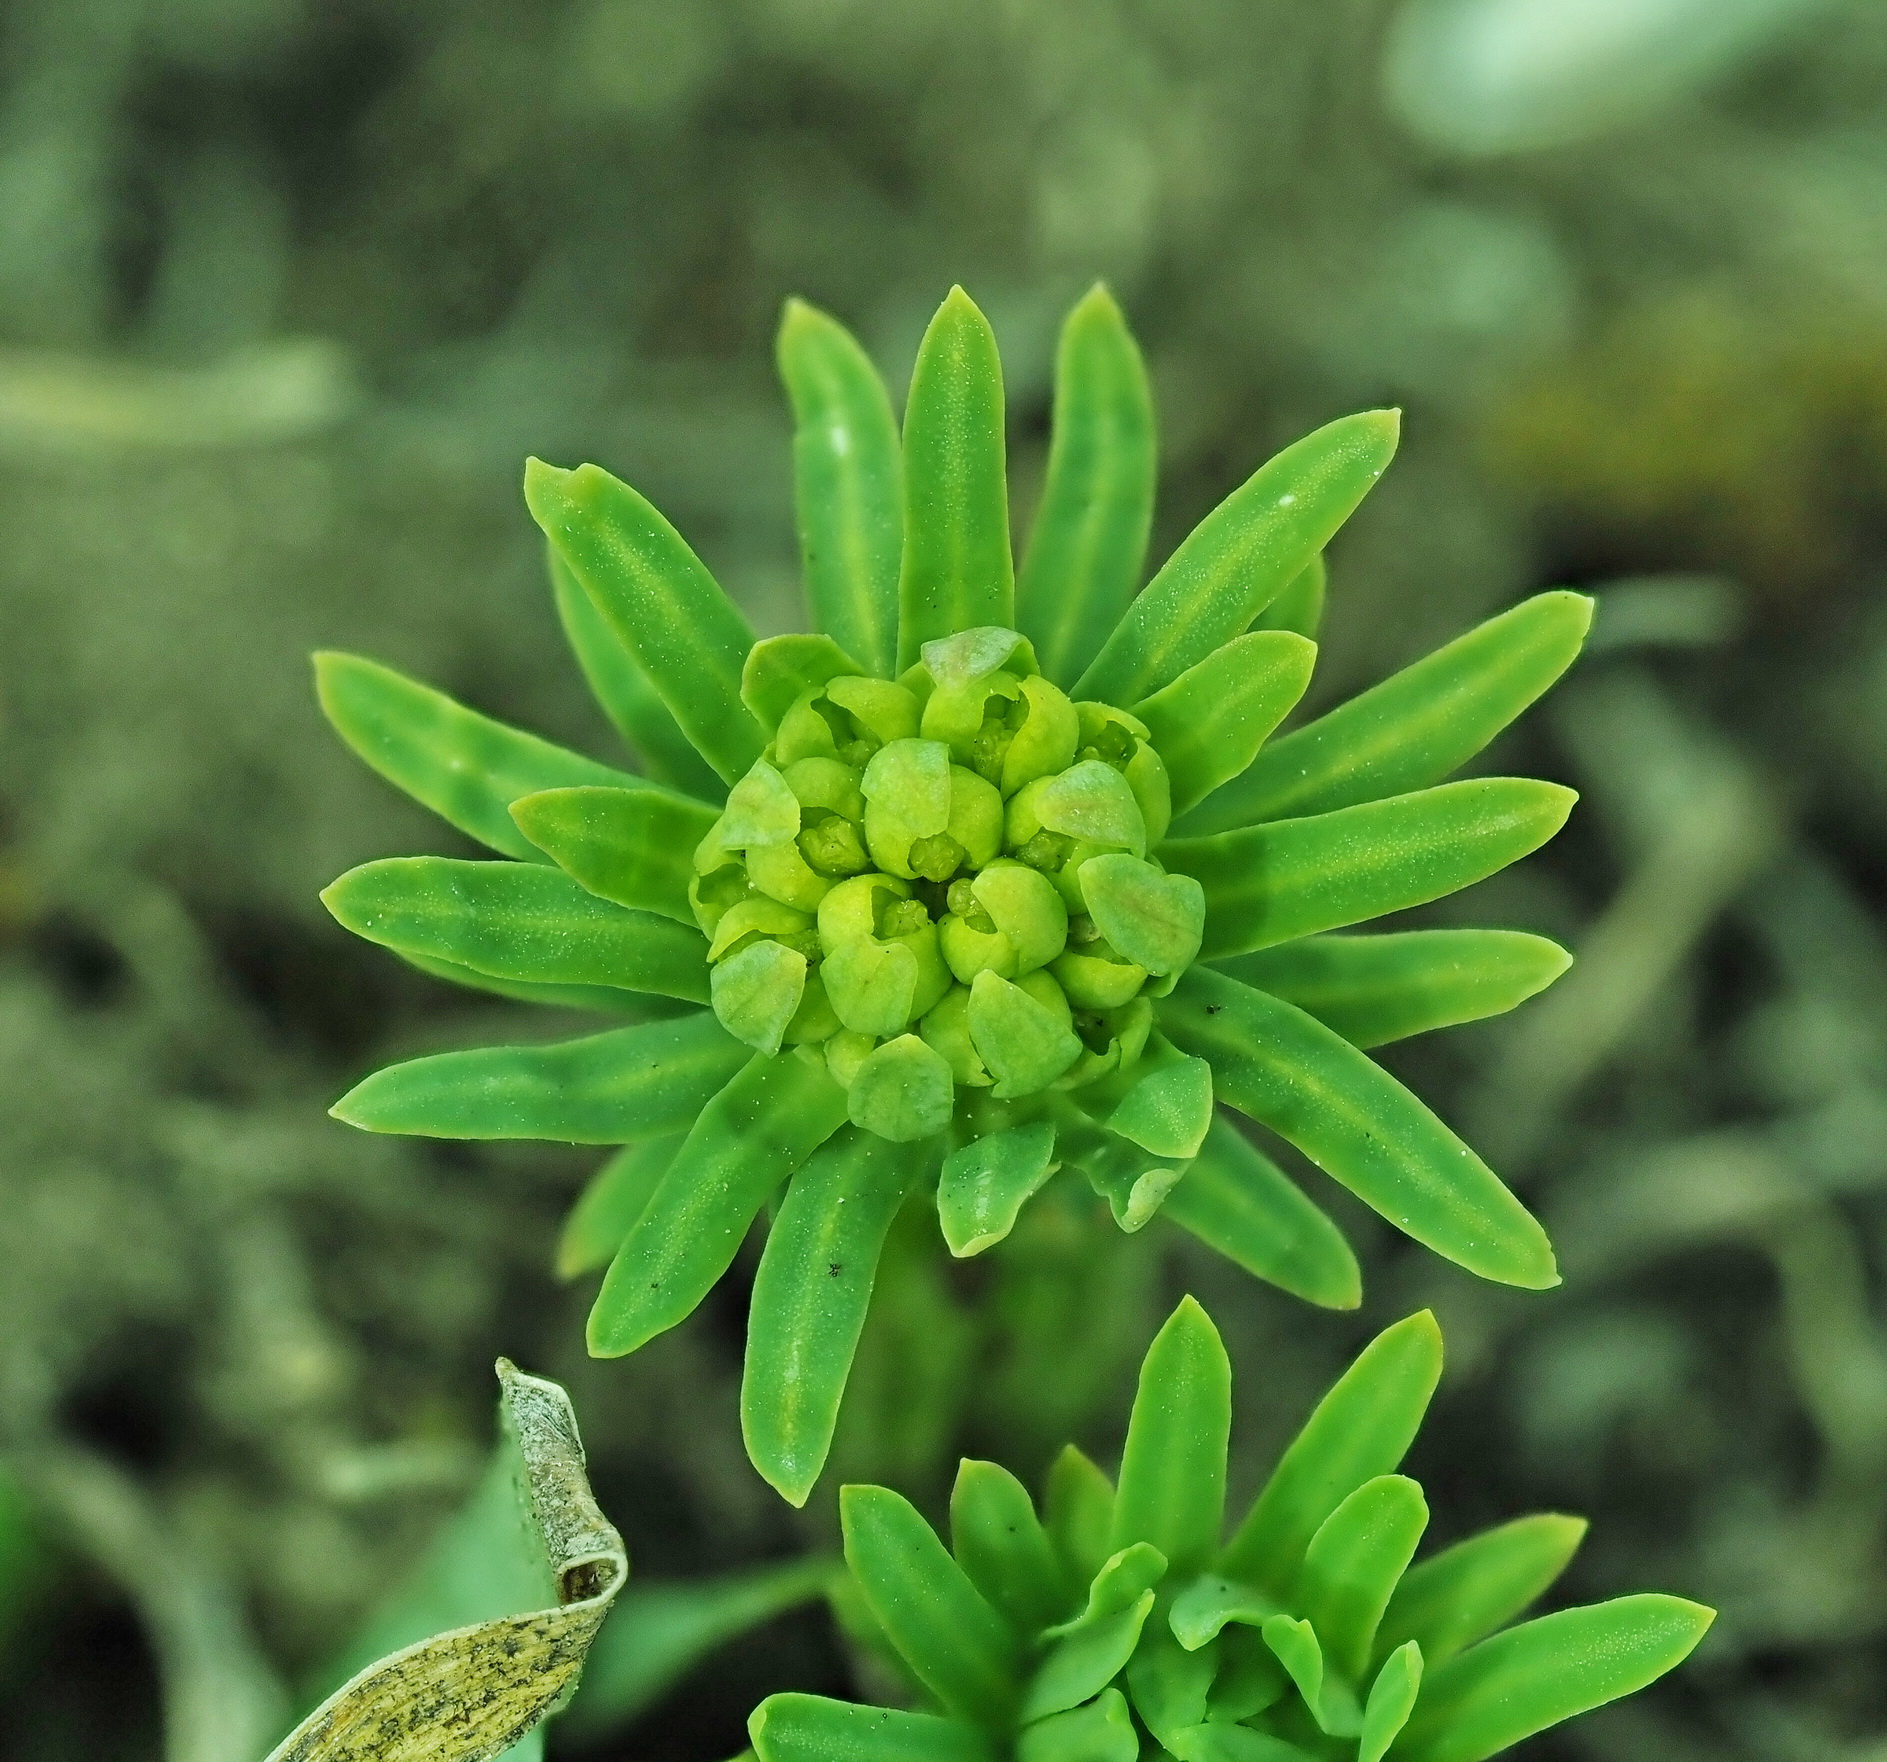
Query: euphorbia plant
[[1123, 1622], [992, 875]]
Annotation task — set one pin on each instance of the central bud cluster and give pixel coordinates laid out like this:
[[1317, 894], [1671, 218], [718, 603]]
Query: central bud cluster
[[944, 881]]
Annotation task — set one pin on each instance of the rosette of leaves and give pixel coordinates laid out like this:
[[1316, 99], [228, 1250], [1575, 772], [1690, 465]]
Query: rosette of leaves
[[995, 874], [1119, 1621]]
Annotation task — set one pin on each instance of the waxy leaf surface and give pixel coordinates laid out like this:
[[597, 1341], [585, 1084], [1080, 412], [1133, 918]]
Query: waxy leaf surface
[[628, 845], [1289, 1072]]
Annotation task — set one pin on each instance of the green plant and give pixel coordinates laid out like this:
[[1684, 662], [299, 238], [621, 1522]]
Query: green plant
[[996, 874], [1122, 1623]]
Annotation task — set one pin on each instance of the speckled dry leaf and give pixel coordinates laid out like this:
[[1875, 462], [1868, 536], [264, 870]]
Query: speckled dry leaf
[[470, 1694]]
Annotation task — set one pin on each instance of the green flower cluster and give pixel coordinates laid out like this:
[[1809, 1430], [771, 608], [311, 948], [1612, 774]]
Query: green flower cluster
[[1121, 1623], [996, 878], [944, 881]]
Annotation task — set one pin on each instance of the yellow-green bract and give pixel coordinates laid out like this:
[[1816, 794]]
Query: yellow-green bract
[[1120, 1623], [995, 878]]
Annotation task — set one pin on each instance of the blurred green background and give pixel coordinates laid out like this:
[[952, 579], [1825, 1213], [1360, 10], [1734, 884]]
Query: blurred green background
[[288, 288]]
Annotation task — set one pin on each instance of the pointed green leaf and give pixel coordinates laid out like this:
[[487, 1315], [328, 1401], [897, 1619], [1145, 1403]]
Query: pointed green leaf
[[1300, 607], [1209, 723], [1118, 1585], [517, 921], [669, 612], [1204, 1608], [617, 1195], [811, 1728], [848, 480], [1331, 1701], [958, 1645], [1083, 1662], [1353, 1564], [1078, 1507], [1237, 560], [625, 692], [467, 768], [1358, 1124], [1170, 1686], [986, 1182], [1360, 1429], [1172, 1475], [607, 1089], [628, 845], [1289, 878], [1219, 1742], [1414, 728], [658, 1631], [780, 669], [633, 1006], [999, 1541], [761, 1127], [1089, 541], [1391, 1700], [809, 1301], [956, 571], [1537, 1674], [1245, 1206], [1376, 989], [1102, 1731], [1465, 1592]]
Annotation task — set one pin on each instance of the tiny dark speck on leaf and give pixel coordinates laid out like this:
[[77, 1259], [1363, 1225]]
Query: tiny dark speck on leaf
[[837, 1267], [1212, 1009]]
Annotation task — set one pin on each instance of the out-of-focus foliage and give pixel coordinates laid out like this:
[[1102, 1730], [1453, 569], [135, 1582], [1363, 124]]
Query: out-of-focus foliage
[[287, 290]]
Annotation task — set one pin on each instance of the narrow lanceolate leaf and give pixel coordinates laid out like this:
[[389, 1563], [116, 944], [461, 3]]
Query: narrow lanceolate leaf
[[1218, 1741], [608, 1089], [1465, 1592], [762, 1126], [956, 572], [1210, 722], [954, 1640], [1079, 1510], [467, 768], [1300, 607], [627, 696], [1362, 1428], [670, 613], [1085, 1660], [848, 481], [1391, 1699], [1289, 1072], [1414, 728], [1537, 1674], [1240, 556], [1353, 1563], [809, 1301], [1241, 1203], [634, 1006], [517, 921], [1089, 540], [618, 1194], [780, 669], [1375, 989], [1000, 1542], [1102, 1731], [1172, 1474], [1268, 884], [811, 1728], [630, 846]]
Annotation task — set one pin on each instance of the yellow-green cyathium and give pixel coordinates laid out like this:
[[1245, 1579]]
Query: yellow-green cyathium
[[996, 874]]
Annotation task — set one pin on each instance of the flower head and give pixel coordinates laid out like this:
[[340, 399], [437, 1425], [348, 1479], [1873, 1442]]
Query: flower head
[[1121, 1622], [994, 874]]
